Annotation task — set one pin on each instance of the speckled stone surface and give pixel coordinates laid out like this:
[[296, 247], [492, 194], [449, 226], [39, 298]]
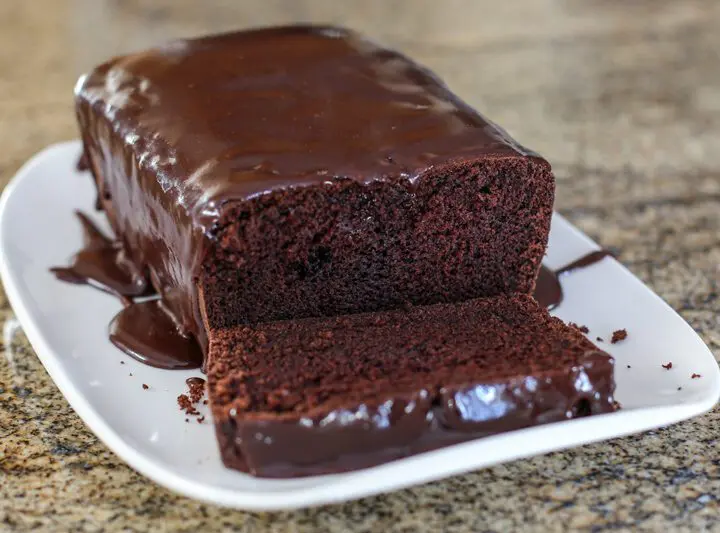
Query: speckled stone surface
[[623, 97]]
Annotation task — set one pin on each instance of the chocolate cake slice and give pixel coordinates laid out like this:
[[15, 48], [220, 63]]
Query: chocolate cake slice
[[305, 172], [320, 395]]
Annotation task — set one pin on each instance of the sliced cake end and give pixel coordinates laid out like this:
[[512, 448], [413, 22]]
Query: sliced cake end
[[314, 396]]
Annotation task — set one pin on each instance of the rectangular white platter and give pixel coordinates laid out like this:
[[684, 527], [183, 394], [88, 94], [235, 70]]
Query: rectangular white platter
[[67, 327]]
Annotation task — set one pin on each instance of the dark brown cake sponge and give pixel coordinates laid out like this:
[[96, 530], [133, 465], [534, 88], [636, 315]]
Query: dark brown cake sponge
[[461, 230]]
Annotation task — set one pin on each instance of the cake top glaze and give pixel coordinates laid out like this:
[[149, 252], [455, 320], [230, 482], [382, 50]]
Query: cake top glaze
[[236, 115]]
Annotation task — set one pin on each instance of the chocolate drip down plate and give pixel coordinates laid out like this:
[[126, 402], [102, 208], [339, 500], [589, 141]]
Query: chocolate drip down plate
[[133, 407]]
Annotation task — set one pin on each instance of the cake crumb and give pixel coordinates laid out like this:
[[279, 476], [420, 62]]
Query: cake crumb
[[122, 362], [145, 386], [581, 329], [194, 395], [629, 366], [130, 374], [187, 420], [196, 391], [186, 405], [599, 339], [618, 335], [679, 388], [695, 376], [667, 366]]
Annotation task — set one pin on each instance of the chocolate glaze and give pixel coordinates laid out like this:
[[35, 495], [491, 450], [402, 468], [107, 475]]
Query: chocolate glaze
[[548, 291], [363, 436], [82, 163], [103, 264], [147, 332], [585, 261], [143, 330], [195, 381], [178, 134]]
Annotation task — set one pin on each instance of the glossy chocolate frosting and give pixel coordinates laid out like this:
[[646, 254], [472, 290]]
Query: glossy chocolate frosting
[[103, 263], [179, 132], [144, 330], [148, 333], [364, 435], [548, 290]]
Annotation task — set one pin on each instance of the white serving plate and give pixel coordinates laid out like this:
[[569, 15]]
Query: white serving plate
[[67, 326]]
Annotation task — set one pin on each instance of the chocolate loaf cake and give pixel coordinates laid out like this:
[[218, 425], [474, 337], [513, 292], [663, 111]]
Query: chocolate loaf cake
[[305, 172], [319, 395]]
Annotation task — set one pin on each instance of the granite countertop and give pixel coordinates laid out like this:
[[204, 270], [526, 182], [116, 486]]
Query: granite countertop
[[622, 97]]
